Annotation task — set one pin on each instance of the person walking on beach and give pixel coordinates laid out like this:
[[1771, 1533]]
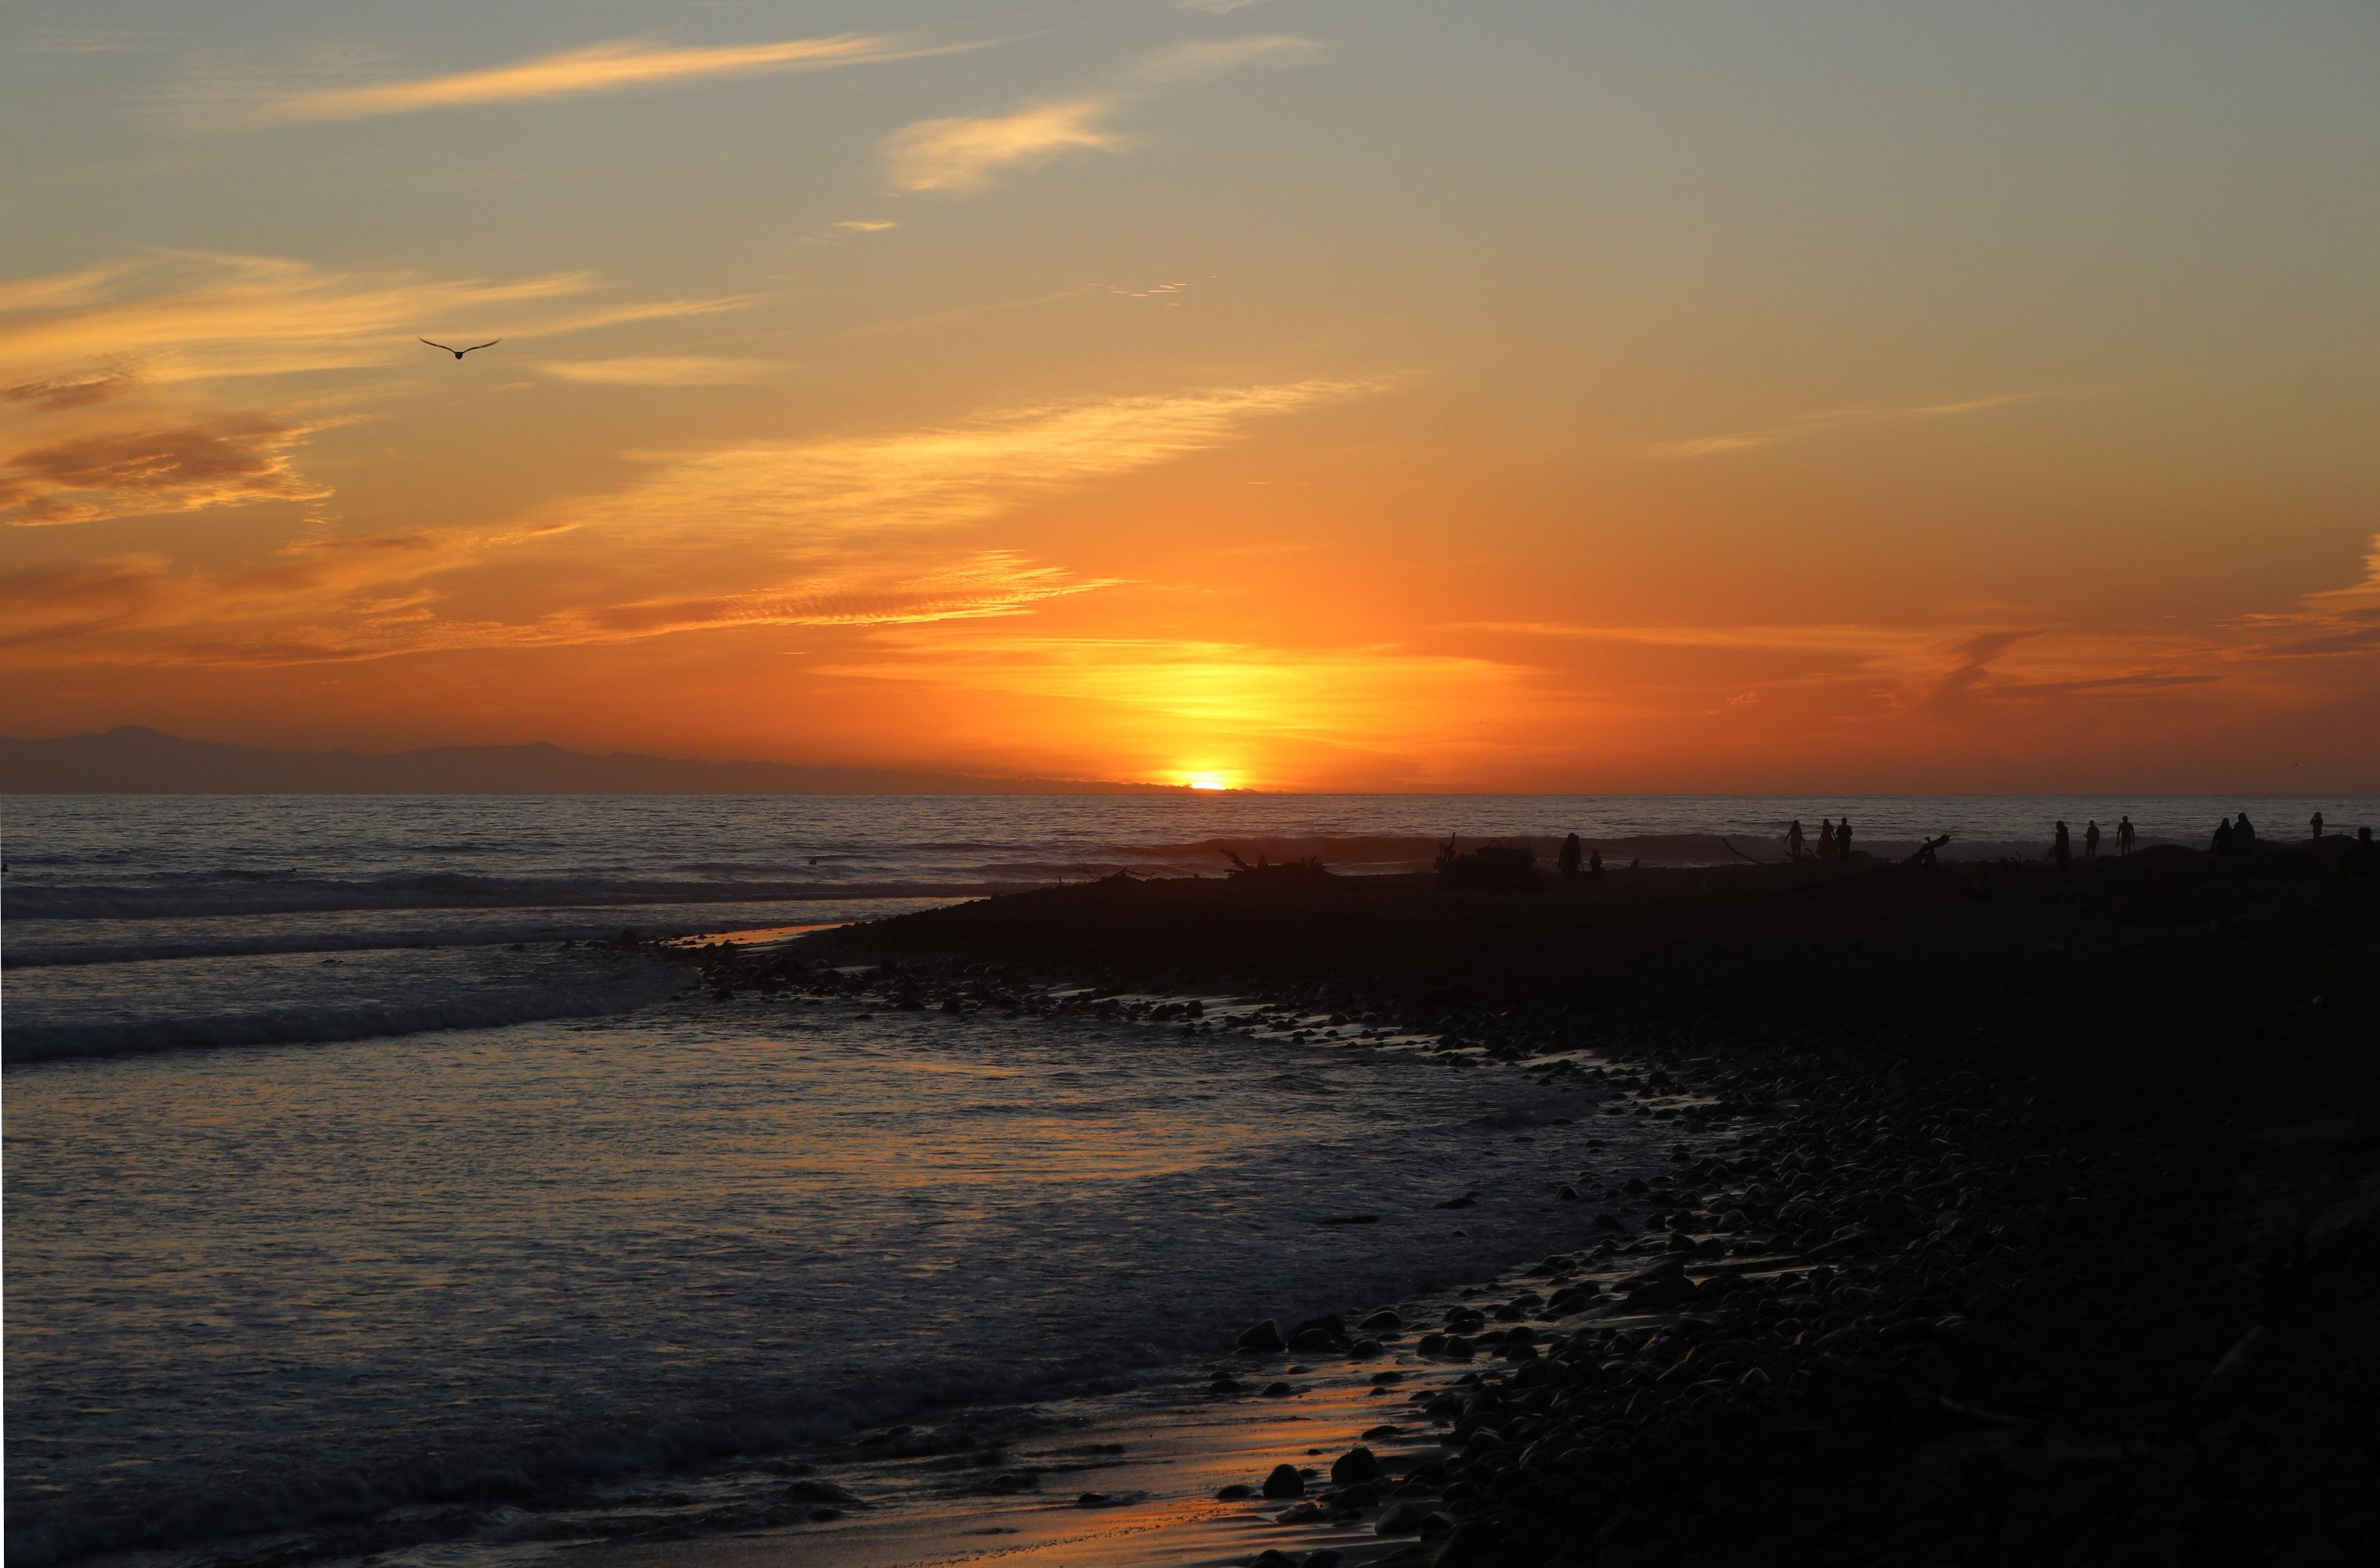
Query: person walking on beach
[[2059, 849], [2091, 839], [1796, 849], [2124, 835], [2243, 835], [1594, 865], [2223, 837], [2318, 824], [1843, 839], [1826, 839], [1567, 862]]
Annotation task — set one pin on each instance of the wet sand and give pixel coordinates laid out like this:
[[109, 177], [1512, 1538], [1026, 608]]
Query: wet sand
[[2015, 1217]]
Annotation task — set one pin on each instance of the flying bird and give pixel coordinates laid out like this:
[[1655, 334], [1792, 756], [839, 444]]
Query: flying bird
[[458, 353]]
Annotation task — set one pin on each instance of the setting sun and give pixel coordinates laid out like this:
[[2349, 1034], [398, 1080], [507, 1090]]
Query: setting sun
[[1815, 562]]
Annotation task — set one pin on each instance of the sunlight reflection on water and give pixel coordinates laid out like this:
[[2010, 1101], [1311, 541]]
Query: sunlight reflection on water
[[246, 1285]]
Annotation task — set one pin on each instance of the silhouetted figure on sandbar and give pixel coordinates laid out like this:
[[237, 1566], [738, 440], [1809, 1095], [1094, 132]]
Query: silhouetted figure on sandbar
[[2091, 839], [2059, 849], [1795, 847], [2124, 835], [2243, 835], [2223, 837], [1594, 865], [1567, 862], [1843, 839], [2318, 824], [1826, 839], [2365, 862]]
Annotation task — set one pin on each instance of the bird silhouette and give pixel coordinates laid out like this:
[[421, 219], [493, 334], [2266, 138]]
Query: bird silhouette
[[458, 353]]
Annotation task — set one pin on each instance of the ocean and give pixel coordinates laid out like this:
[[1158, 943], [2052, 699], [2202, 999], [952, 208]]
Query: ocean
[[350, 1212]]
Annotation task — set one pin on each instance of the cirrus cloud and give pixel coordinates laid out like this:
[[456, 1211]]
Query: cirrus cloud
[[788, 492], [183, 316], [600, 67], [225, 462], [661, 370], [964, 153]]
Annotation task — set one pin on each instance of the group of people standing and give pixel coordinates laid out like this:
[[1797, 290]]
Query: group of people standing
[[2061, 847], [1834, 840], [2239, 838], [2236, 835], [1568, 864]]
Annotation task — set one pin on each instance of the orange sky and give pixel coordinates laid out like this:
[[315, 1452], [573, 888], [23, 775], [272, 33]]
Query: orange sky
[[1310, 394]]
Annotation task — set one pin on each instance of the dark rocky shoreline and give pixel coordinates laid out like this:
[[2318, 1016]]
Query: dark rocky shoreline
[[2046, 1231]]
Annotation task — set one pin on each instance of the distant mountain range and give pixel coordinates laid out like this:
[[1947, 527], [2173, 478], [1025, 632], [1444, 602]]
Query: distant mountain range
[[135, 760]]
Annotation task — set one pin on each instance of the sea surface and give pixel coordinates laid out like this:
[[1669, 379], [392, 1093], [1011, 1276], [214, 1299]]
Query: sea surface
[[349, 1209]]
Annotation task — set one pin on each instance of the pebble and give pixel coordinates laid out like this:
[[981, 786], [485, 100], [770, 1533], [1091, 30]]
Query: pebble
[[1355, 1465]]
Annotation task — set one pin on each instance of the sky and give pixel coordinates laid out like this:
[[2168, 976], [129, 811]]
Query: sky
[[1294, 394]]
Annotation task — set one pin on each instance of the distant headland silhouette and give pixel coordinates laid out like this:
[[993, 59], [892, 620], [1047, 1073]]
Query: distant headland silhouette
[[132, 760]]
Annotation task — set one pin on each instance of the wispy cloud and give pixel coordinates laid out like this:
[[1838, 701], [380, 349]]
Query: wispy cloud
[[661, 370], [342, 599], [1840, 418], [74, 389], [2329, 624], [186, 316], [787, 491], [965, 153], [225, 462], [990, 583], [1201, 58], [313, 598], [55, 290], [1933, 672], [840, 532], [601, 68], [867, 225]]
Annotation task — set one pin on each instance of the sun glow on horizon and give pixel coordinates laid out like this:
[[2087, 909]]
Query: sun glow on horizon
[[1434, 485]]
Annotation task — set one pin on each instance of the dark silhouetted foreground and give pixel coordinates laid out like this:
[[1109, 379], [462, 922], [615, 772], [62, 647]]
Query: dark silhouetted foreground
[[2050, 1231]]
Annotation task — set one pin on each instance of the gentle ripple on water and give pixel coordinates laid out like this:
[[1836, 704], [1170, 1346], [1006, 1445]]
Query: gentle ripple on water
[[251, 1286]]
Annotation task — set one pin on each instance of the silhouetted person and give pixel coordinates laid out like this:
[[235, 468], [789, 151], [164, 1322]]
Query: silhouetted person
[[1794, 847], [2223, 837], [2366, 860], [2059, 850], [2124, 835], [2091, 839], [1826, 839], [1567, 862], [1843, 839], [2243, 835], [2318, 824], [1594, 865]]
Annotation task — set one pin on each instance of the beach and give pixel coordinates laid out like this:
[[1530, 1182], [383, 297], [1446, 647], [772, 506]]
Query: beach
[[1727, 1213], [2046, 1231]]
